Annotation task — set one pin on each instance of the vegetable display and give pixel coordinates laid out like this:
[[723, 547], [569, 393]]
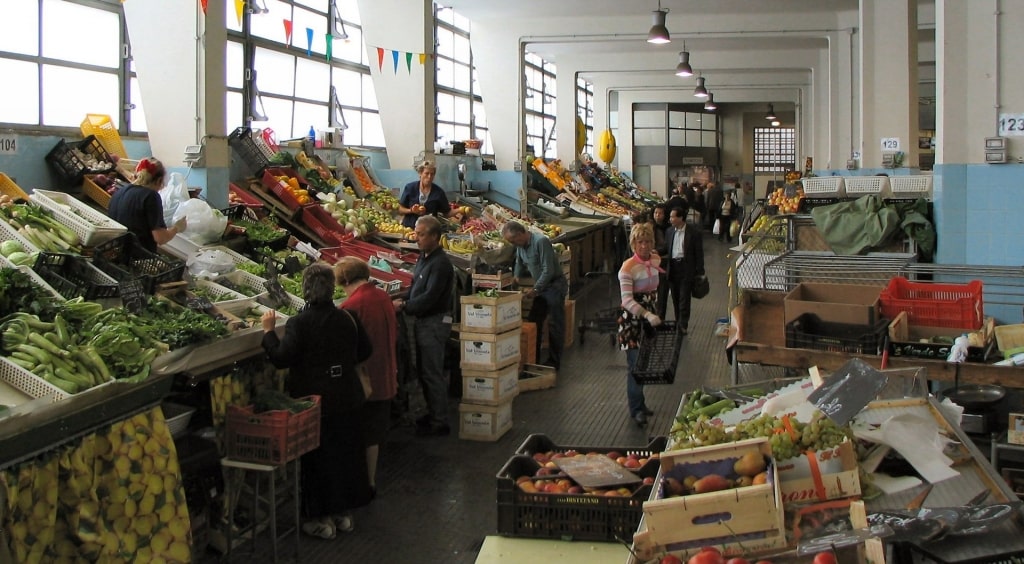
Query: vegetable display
[[41, 229], [18, 293]]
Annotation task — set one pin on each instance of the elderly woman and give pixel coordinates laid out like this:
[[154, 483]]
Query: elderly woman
[[638, 284], [139, 208], [322, 346], [423, 197]]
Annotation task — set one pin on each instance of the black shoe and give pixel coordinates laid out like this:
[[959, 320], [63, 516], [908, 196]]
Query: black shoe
[[648, 411], [434, 430], [641, 419], [423, 421], [681, 329]]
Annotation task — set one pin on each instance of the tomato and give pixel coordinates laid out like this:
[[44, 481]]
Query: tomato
[[825, 558], [737, 560], [670, 559], [706, 557]]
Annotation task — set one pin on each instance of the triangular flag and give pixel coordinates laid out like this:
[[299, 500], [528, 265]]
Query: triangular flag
[[408, 62], [423, 58], [309, 41], [287, 31], [202, 3], [239, 6], [380, 58], [330, 44], [394, 60]]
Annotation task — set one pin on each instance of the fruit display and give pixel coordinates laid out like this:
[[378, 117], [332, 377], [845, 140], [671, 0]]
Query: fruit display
[[458, 244], [786, 204], [291, 184], [116, 496], [362, 177], [316, 173], [553, 172], [748, 470], [385, 200], [603, 204], [624, 199], [768, 233], [549, 478]]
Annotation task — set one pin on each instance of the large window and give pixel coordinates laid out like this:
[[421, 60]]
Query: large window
[[585, 111], [460, 109], [540, 106], [774, 149], [63, 59]]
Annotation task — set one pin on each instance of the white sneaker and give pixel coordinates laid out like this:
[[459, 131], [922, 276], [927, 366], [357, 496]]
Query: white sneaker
[[344, 523]]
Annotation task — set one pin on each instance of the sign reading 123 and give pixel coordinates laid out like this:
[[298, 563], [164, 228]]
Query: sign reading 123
[[1011, 125]]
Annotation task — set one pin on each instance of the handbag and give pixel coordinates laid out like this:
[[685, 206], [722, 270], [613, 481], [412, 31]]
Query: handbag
[[701, 287], [717, 229], [361, 372]]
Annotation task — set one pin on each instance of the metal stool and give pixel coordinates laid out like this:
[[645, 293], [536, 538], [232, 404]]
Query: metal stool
[[236, 475]]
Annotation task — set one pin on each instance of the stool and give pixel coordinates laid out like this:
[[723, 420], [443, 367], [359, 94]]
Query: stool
[[237, 473]]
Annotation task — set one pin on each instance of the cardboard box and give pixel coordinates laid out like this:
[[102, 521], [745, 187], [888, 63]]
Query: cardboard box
[[1015, 430], [489, 387], [528, 344], [489, 351], [491, 315], [833, 474], [738, 520], [537, 377], [854, 304], [499, 280], [484, 422]]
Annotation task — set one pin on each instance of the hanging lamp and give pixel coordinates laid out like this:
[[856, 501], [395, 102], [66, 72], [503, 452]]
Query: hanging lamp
[[710, 104], [770, 116], [683, 68], [658, 34], [700, 91]]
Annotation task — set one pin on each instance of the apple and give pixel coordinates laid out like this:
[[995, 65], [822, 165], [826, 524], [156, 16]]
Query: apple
[[614, 455], [575, 489], [632, 463], [648, 481]]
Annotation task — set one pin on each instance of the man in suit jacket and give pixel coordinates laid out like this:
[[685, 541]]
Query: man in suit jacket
[[685, 260]]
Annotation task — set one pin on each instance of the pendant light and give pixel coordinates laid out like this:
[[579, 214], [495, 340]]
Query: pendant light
[[683, 68], [700, 91], [771, 113], [659, 33], [710, 104]]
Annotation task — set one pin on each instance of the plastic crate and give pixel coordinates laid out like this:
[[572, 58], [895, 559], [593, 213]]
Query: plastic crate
[[324, 225], [824, 186], [8, 232], [70, 167], [659, 355], [809, 332], [861, 185], [563, 515], [72, 276], [910, 186], [363, 250], [177, 417], [235, 256], [10, 188], [124, 258], [932, 304], [126, 168], [242, 142], [226, 297], [235, 279], [244, 196], [269, 179], [272, 437], [91, 226], [539, 442], [95, 193], [808, 204], [32, 385], [102, 126]]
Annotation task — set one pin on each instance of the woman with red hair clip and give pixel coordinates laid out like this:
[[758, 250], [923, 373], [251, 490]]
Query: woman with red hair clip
[[139, 207]]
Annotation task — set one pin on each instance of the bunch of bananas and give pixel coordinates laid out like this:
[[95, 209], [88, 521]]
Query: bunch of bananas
[[461, 245], [115, 497]]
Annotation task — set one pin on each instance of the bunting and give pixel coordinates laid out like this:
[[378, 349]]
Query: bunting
[[397, 55], [309, 42], [239, 7], [330, 45], [287, 31]]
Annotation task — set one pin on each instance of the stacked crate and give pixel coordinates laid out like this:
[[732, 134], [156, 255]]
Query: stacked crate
[[489, 352]]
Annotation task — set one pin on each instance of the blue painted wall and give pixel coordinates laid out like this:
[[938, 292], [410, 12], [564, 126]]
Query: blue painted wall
[[30, 170]]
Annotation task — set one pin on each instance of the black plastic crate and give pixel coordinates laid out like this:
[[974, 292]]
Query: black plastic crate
[[70, 167], [809, 203], [809, 332], [539, 442], [566, 516], [242, 142], [74, 276], [658, 356], [124, 258]]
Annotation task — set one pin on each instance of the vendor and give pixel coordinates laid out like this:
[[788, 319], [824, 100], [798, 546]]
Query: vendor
[[139, 207], [423, 197]]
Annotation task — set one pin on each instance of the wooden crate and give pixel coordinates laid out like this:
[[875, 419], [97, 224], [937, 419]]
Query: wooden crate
[[750, 516], [528, 344], [537, 377], [482, 314], [500, 280], [484, 422], [488, 351], [833, 475], [490, 387]]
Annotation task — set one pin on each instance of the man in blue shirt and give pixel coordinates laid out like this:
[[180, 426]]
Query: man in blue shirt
[[536, 257]]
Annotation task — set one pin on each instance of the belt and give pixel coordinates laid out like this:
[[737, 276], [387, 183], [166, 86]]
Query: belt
[[677, 260]]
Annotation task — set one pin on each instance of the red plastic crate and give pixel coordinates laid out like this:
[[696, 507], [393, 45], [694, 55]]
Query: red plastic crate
[[363, 250], [933, 304], [279, 188], [324, 225], [272, 437], [247, 199]]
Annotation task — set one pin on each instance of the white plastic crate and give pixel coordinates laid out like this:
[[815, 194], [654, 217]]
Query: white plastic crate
[[243, 278], [862, 185], [8, 232], [231, 297], [824, 186], [90, 225], [38, 280], [28, 382], [235, 257], [916, 186], [180, 247]]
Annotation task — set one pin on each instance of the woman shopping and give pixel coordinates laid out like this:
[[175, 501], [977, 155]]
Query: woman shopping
[[638, 284], [423, 197], [139, 208], [322, 346]]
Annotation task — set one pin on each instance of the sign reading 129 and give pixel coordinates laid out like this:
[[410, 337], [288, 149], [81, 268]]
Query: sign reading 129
[[1011, 125], [890, 143]]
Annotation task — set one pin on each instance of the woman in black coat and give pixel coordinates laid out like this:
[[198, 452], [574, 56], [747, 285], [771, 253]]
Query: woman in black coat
[[322, 345]]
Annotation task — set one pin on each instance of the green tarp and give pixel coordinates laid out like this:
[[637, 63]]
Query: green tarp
[[857, 227]]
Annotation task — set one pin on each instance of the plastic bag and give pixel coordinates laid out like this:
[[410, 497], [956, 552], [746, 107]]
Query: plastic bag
[[174, 192], [205, 224], [717, 229], [210, 263]]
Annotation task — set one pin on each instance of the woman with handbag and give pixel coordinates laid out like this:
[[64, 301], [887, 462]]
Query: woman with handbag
[[638, 284], [322, 346], [373, 306]]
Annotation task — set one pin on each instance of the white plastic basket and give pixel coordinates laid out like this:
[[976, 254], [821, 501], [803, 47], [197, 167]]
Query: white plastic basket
[[28, 382], [38, 281], [861, 185], [911, 186], [293, 300], [823, 186], [243, 278], [8, 232], [226, 298], [235, 257], [90, 225], [177, 417], [180, 247]]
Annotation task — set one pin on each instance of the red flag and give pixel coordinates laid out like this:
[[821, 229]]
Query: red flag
[[380, 58], [287, 31], [202, 3]]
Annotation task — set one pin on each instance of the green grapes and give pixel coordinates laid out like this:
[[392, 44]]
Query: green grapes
[[821, 433]]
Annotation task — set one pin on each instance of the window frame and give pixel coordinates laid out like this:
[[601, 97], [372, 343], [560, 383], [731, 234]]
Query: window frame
[[771, 147]]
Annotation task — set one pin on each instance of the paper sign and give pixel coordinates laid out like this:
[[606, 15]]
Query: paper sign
[[133, 294], [848, 390], [890, 143], [8, 144], [596, 471], [1011, 125]]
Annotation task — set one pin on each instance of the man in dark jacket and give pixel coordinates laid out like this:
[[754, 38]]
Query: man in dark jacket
[[429, 303], [713, 197], [685, 260]]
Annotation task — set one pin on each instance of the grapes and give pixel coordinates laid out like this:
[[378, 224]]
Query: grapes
[[821, 433]]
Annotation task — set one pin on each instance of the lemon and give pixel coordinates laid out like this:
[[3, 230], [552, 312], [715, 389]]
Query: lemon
[[179, 551]]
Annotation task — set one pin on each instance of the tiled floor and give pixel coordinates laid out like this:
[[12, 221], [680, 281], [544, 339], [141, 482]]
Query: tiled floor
[[436, 496]]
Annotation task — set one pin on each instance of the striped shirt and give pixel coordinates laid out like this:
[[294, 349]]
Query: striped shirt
[[638, 277]]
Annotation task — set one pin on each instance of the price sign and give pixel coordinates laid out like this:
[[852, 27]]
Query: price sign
[[1011, 125], [890, 143], [133, 294], [8, 144]]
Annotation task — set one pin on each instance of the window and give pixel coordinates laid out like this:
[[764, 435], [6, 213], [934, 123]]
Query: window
[[540, 106], [774, 149], [459, 105], [585, 110]]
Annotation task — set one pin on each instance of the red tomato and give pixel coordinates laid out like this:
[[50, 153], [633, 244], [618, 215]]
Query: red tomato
[[737, 560], [763, 562], [824, 558], [670, 559], [706, 557]]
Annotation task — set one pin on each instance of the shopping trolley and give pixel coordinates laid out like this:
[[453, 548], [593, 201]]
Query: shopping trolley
[[604, 320]]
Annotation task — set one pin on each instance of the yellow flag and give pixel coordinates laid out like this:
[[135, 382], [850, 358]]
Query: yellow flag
[[239, 6]]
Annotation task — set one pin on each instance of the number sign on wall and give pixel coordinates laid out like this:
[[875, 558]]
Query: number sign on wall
[[8, 144], [1011, 125], [890, 144]]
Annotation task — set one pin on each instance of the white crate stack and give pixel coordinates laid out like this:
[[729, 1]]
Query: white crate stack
[[489, 359]]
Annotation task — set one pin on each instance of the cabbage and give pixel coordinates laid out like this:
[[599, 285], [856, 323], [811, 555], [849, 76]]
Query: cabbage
[[19, 258], [11, 246]]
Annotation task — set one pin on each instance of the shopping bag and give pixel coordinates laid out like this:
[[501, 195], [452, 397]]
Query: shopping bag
[[701, 287], [717, 228]]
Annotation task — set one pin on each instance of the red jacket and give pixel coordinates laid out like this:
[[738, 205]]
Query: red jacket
[[377, 315]]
